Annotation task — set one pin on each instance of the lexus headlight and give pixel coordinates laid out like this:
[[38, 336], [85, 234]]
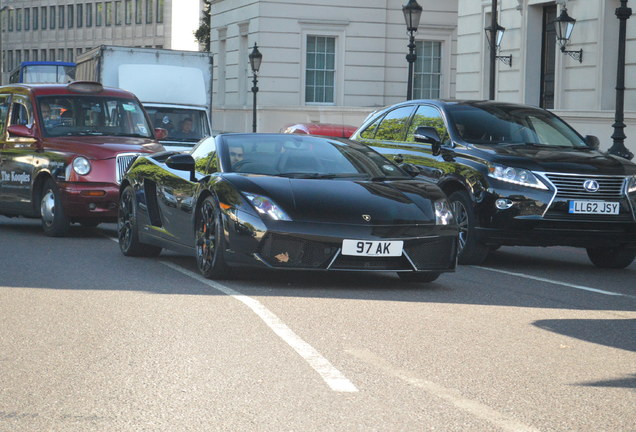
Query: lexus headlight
[[443, 213], [631, 184], [81, 165], [516, 176], [264, 205]]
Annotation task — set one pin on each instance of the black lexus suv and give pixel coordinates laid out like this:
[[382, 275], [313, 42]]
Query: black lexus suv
[[516, 175]]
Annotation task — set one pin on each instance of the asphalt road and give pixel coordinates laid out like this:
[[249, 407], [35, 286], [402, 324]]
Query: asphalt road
[[536, 339]]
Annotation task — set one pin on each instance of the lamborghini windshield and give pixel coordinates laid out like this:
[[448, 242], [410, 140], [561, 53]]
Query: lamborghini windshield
[[78, 115], [302, 156]]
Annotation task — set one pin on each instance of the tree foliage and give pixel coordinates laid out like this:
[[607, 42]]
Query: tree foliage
[[202, 34]]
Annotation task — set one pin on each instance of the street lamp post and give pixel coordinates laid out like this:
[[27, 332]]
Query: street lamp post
[[618, 147], [255, 62], [412, 13], [493, 49], [4, 8]]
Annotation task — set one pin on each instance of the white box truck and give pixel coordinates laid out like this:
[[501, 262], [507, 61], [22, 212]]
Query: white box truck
[[175, 87]]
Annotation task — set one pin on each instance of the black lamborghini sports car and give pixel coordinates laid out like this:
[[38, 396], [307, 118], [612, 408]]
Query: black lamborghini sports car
[[285, 201]]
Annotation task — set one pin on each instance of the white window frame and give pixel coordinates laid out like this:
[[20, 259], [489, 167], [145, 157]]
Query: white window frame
[[425, 73], [324, 28], [445, 36]]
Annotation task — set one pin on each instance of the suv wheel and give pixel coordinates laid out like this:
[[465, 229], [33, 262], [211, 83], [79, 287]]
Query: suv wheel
[[471, 250], [611, 257], [54, 221]]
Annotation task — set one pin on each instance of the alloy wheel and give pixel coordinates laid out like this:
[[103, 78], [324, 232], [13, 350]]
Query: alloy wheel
[[461, 217]]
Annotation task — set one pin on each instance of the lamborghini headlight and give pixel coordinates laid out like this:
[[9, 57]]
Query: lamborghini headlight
[[517, 176], [266, 206], [443, 213]]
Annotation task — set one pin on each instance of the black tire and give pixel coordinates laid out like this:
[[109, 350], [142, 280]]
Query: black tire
[[128, 230], [611, 257], [54, 221], [209, 242], [422, 277], [471, 250]]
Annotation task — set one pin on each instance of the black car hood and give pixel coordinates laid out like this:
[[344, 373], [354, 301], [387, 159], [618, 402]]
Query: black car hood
[[346, 201], [582, 161]]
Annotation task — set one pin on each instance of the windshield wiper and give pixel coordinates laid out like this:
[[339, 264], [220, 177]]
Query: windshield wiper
[[86, 132], [131, 135], [532, 144], [320, 176]]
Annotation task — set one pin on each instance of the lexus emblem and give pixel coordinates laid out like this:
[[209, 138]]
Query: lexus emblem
[[366, 218], [591, 185]]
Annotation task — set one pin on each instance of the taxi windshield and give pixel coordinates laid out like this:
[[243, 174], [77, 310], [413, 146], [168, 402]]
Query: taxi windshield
[[80, 115]]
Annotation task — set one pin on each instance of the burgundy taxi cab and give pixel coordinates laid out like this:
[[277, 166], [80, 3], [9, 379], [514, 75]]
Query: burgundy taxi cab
[[64, 149]]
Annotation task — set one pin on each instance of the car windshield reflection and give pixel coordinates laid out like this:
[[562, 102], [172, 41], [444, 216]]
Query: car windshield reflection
[[92, 116], [305, 157]]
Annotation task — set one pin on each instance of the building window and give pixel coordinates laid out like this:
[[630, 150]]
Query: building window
[[427, 74], [43, 55], [36, 18], [99, 13], [118, 12], [10, 20], [148, 11], [89, 15], [137, 11], [60, 16], [320, 69], [60, 54], [26, 55], [69, 54], [52, 17], [27, 19], [34, 54], [128, 12], [80, 11], [109, 13], [159, 11], [71, 16], [52, 55], [18, 57], [43, 14], [18, 19]]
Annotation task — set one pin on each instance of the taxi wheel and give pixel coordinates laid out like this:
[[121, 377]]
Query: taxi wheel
[[209, 241], [422, 277], [471, 250], [127, 229], [611, 257], [54, 221]]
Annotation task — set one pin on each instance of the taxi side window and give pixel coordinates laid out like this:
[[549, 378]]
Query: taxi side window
[[393, 125], [4, 111], [19, 114], [428, 116]]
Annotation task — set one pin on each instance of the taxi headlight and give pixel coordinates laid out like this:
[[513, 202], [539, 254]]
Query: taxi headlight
[[81, 165], [443, 213], [515, 175]]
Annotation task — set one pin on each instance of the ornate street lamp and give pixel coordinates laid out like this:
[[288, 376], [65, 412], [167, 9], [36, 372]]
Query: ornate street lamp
[[255, 62], [618, 148], [412, 13], [499, 32], [564, 25]]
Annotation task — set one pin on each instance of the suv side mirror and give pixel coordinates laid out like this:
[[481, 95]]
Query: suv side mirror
[[428, 135], [592, 141]]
